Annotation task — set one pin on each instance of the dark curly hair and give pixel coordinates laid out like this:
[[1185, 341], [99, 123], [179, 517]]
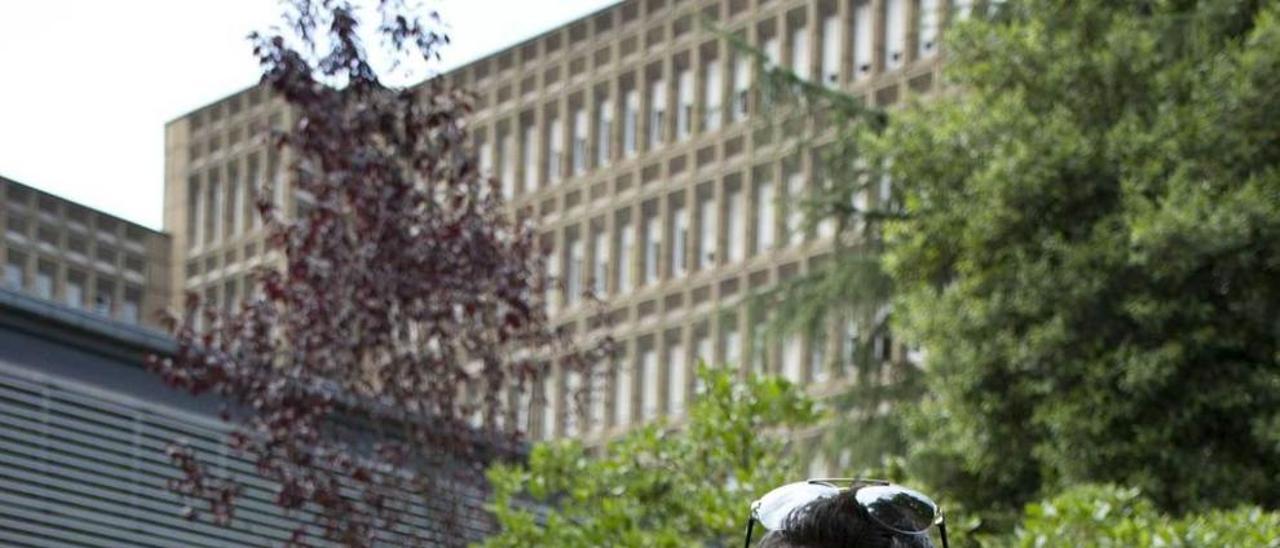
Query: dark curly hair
[[838, 522]]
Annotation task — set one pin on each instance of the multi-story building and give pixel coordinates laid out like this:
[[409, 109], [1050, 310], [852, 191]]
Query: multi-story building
[[58, 250], [638, 141]]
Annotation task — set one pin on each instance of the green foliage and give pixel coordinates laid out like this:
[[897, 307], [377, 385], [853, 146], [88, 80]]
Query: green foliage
[[657, 486], [850, 285], [1090, 254], [1108, 516]]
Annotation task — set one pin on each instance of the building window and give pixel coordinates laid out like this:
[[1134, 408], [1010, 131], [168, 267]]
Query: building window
[[550, 396], [15, 271], [792, 359], [507, 158], [553, 281], [800, 53], [579, 142], [44, 280], [530, 158], [818, 370], [231, 205], [704, 354], [707, 235], [230, 295], [650, 382], [895, 33], [772, 51], [831, 50], [484, 156], [684, 112], [524, 401], [652, 246], [253, 186], [597, 401], [48, 235], [927, 27], [711, 96], [758, 340], [625, 246], [73, 290], [827, 223], [211, 208], [795, 207], [104, 297], [741, 87], [631, 124], [657, 112], [130, 308], [732, 351], [555, 150], [600, 268], [677, 378], [573, 270], [850, 347], [604, 132], [106, 255], [77, 245], [622, 400], [276, 178], [679, 240], [863, 40], [16, 226], [765, 220], [734, 233], [571, 411]]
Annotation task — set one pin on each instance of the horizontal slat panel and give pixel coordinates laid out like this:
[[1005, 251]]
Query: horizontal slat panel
[[257, 505], [81, 468]]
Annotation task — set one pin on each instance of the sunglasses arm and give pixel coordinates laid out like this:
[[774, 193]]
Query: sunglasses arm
[[942, 528], [751, 522]]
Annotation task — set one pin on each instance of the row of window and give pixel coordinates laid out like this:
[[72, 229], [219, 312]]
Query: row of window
[[715, 223], [246, 133], [644, 110], [55, 210], [657, 379], [74, 246], [228, 108], [210, 262], [220, 200], [82, 289]]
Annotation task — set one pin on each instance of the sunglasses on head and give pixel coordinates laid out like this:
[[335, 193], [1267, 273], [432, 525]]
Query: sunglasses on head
[[893, 507]]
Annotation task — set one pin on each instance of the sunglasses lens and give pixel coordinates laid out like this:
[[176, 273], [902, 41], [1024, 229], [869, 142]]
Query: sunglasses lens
[[773, 508], [898, 508]]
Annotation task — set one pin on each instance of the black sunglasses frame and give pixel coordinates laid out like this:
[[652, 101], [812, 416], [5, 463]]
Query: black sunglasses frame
[[858, 483]]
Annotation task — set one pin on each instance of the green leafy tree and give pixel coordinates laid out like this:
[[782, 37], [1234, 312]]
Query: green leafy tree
[[657, 486], [849, 289], [1090, 253], [1108, 516]]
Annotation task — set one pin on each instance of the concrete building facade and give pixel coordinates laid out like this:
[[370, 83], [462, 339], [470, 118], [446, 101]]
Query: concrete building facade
[[638, 140], [58, 250]]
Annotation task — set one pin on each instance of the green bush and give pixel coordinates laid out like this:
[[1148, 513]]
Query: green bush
[[1093, 515]]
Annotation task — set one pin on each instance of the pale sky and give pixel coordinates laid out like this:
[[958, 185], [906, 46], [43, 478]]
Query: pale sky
[[86, 86]]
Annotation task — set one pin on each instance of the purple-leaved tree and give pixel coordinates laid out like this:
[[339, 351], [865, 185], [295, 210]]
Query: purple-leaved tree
[[400, 287]]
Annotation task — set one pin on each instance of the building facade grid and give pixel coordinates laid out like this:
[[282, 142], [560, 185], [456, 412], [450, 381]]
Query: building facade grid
[[635, 139], [58, 250]]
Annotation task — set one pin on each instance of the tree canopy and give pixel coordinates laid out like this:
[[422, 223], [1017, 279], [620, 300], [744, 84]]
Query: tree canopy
[[1090, 253], [658, 486]]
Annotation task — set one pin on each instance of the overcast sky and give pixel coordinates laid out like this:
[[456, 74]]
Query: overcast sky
[[86, 86]]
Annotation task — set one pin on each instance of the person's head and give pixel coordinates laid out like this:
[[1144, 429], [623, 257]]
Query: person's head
[[838, 521]]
